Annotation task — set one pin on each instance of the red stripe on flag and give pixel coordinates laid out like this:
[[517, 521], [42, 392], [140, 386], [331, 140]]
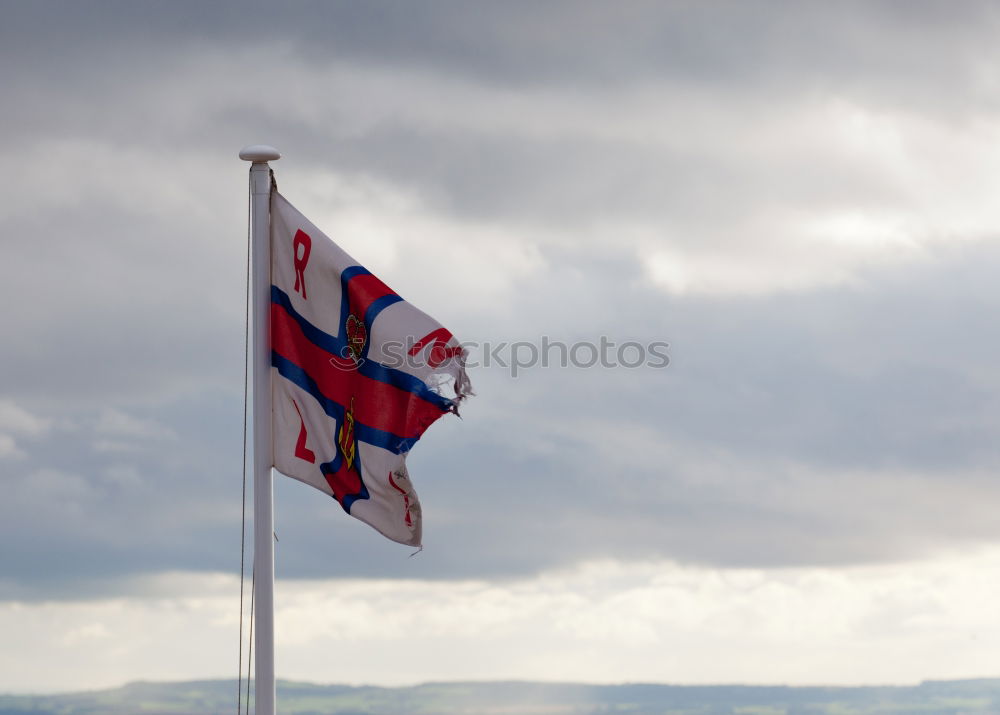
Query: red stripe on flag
[[343, 482], [365, 289], [377, 404]]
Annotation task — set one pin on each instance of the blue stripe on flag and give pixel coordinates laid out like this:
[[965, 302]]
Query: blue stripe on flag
[[330, 343], [377, 307], [347, 500], [368, 368], [371, 435], [404, 381]]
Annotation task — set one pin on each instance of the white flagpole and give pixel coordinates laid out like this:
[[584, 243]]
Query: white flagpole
[[263, 493]]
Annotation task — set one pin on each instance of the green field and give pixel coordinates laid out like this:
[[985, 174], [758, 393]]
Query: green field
[[526, 698]]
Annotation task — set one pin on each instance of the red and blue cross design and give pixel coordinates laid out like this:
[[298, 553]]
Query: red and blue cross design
[[368, 402]]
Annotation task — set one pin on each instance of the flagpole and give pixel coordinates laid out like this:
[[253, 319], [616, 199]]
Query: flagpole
[[263, 492]]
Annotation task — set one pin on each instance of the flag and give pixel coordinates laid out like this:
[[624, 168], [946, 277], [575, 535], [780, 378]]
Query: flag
[[357, 375]]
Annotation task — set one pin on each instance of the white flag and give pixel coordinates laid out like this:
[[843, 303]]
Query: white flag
[[357, 375]]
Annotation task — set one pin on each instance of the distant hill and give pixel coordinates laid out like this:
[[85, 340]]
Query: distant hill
[[210, 697]]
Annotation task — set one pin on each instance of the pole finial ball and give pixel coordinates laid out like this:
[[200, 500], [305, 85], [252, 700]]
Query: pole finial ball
[[259, 153]]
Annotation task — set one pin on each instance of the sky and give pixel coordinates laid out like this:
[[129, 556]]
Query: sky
[[800, 199]]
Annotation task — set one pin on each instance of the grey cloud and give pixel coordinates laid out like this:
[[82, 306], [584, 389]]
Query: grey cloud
[[562, 41], [769, 441], [124, 261]]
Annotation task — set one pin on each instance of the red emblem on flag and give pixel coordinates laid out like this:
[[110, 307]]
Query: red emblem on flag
[[356, 336]]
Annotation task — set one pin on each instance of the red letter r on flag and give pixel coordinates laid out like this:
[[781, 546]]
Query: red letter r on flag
[[302, 241]]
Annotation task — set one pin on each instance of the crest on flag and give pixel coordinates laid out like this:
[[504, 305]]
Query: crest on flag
[[357, 336], [346, 407]]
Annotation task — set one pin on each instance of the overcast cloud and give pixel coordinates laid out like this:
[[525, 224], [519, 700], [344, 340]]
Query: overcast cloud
[[799, 198]]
